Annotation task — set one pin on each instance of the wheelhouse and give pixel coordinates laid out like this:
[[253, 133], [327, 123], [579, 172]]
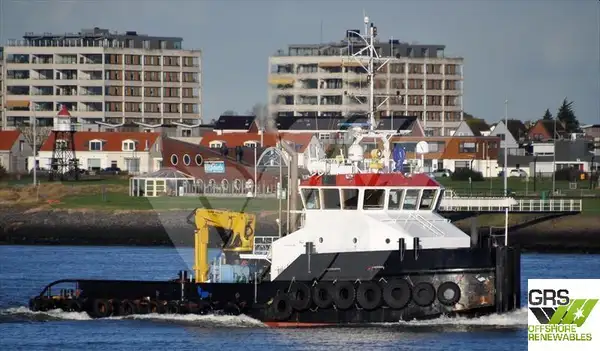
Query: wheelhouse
[[371, 192]]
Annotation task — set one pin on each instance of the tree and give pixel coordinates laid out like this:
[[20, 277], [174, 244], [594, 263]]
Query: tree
[[41, 134], [467, 116], [229, 113], [547, 115], [567, 117]]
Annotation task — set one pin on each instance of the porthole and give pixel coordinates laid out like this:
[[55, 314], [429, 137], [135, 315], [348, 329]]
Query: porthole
[[174, 160], [320, 240], [387, 241], [187, 160], [355, 240], [199, 160]]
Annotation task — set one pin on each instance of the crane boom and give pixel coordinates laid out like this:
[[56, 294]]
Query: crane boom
[[235, 228]]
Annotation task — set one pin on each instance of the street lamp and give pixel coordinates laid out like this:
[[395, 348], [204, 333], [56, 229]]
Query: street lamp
[[505, 148]]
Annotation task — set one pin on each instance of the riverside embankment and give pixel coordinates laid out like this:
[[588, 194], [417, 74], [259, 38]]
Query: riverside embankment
[[43, 226]]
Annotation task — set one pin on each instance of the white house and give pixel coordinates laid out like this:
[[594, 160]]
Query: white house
[[512, 134], [135, 152], [14, 151]]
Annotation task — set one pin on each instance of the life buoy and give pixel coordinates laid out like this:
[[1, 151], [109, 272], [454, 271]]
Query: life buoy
[[300, 296], [368, 295], [281, 308], [423, 294], [448, 293], [322, 294], [126, 308], [173, 307], [142, 307], [73, 306], [101, 308], [344, 295], [396, 293]]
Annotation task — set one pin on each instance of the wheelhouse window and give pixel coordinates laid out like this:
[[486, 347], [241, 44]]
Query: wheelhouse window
[[311, 199], [410, 199], [427, 199], [350, 199], [395, 199], [331, 199], [374, 199]]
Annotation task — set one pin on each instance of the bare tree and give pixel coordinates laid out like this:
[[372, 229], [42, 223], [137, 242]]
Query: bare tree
[[41, 134]]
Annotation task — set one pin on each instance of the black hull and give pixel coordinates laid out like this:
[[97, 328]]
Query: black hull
[[466, 282]]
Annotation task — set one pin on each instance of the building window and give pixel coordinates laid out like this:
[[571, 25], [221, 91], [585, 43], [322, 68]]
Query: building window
[[128, 145], [467, 147], [461, 164], [251, 143], [216, 144], [174, 160], [96, 145], [187, 160], [199, 160]]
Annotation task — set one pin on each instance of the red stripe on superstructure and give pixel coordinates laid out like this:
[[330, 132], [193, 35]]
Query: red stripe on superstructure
[[296, 324], [374, 180]]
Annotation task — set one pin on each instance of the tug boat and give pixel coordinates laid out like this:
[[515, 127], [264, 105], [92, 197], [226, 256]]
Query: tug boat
[[371, 248]]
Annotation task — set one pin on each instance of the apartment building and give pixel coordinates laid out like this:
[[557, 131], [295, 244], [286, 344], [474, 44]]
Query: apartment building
[[102, 76], [325, 80]]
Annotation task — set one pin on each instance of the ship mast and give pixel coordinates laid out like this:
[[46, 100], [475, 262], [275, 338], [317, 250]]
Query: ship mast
[[373, 63]]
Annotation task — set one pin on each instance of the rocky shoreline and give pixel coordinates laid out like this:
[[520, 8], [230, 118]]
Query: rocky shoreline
[[45, 226]]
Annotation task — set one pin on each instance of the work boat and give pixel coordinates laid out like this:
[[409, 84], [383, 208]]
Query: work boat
[[371, 248]]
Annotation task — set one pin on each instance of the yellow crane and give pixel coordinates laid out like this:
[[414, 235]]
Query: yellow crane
[[235, 228]]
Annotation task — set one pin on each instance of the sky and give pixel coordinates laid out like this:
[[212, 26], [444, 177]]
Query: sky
[[533, 53]]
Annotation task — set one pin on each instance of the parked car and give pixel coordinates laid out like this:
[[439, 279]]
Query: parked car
[[442, 172], [110, 170], [518, 173]]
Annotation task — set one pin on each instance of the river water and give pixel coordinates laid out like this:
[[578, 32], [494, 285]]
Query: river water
[[24, 270]]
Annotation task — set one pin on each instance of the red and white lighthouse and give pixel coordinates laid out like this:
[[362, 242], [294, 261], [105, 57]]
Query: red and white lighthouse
[[64, 165]]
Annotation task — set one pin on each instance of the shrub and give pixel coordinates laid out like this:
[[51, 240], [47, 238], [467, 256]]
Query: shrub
[[463, 174], [568, 174], [3, 172]]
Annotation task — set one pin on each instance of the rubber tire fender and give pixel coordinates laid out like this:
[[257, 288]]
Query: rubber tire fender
[[142, 307], [300, 296], [322, 294], [454, 299], [232, 309], [362, 295], [36, 304], [423, 294], [397, 300], [157, 307], [73, 306], [173, 308], [101, 308], [126, 308], [281, 307], [343, 302]]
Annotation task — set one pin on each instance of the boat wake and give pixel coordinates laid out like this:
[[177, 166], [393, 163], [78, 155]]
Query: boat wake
[[511, 320], [20, 314]]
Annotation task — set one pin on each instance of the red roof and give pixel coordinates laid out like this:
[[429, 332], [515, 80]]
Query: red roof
[[269, 139], [371, 179], [8, 138], [64, 112], [112, 141]]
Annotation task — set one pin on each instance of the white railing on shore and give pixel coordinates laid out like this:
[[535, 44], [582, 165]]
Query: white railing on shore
[[521, 205]]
